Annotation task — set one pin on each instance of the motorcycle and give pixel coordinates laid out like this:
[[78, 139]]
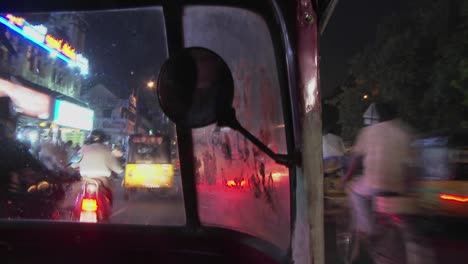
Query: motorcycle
[[387, 244], [93, 203], [34, 196]]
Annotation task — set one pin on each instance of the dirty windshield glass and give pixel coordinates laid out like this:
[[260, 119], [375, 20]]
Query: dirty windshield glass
[[73, 88], [239, 186]]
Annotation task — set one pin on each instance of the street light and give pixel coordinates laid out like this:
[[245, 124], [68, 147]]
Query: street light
[[150, 85]]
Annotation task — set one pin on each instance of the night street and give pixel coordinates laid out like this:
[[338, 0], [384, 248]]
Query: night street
[[147, 208]]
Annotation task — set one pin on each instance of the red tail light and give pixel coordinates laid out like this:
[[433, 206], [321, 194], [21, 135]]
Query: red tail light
[[89, 205], [451, 197]]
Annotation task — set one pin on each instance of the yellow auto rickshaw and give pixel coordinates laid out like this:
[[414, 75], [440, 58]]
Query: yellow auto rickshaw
[[149, 164]]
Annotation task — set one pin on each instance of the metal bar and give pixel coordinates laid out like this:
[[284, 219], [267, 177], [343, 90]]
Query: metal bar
[[325, 17], [312, 180], [174, 32], [288, 82]]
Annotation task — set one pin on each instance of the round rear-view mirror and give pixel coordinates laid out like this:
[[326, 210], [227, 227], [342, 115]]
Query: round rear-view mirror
[[195, 88]]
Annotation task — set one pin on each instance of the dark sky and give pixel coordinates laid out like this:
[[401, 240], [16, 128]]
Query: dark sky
[[352, 26], [125, 49], [119, 43], [122, 42]]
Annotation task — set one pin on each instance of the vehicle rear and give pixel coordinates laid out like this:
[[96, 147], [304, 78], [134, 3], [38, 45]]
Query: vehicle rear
[[93, 204], [149, 164], [443, 181]]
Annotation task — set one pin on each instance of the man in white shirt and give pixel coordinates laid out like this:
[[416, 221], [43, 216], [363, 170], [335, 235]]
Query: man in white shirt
[[385, 151], [97, 161]]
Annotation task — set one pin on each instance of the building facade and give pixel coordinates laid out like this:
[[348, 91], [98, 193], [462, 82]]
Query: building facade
[[42, 69], [46, 54], [112, 115]]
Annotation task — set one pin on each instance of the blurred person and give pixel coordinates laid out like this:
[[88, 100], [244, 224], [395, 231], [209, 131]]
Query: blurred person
[[117, 150], [384, 149], [76, 149], [16, 162], [68, 148], [97, 161], [27, 144], [53, 155], [333, 150]]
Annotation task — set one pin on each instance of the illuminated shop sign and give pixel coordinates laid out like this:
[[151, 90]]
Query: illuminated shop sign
[[56, 47], [72, 115], [27, 101], [19, 21]]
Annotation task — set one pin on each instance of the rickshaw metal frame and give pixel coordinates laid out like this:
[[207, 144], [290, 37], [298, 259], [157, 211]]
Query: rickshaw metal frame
[[280, 17]]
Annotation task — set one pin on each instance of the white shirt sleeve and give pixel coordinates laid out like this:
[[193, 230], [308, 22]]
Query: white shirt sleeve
[[113, 164]]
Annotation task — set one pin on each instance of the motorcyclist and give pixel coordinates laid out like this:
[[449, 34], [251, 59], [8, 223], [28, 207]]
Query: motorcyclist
[[97, 161], [384, 148]]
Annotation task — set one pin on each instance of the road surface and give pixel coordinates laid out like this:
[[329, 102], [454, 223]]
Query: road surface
[[239, 210], [143, 208], [147, 208]]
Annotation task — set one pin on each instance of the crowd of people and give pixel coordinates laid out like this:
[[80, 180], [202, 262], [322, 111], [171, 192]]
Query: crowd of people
[[56, 154]]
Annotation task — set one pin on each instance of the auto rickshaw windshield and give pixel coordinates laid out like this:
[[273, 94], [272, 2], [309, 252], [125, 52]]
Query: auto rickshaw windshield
[[157, 151]]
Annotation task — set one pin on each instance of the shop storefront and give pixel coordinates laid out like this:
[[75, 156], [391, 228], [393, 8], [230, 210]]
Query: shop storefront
[[33, 108], [72, 122]]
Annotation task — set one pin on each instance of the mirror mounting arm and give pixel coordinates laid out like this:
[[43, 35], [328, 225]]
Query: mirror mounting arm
[[230, 120]]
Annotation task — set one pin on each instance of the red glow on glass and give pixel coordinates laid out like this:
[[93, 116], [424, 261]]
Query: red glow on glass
[[147, 139], [451, 197], [231, 183]]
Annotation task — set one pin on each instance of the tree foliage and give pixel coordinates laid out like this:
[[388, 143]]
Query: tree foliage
[[419, 60]]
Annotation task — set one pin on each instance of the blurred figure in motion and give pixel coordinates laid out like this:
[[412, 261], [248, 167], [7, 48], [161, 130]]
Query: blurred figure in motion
[[53, 155], [97, 161], [69, 150], [384, 148], [333, 157], [333, 150], [16, 162], [119, 152]]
